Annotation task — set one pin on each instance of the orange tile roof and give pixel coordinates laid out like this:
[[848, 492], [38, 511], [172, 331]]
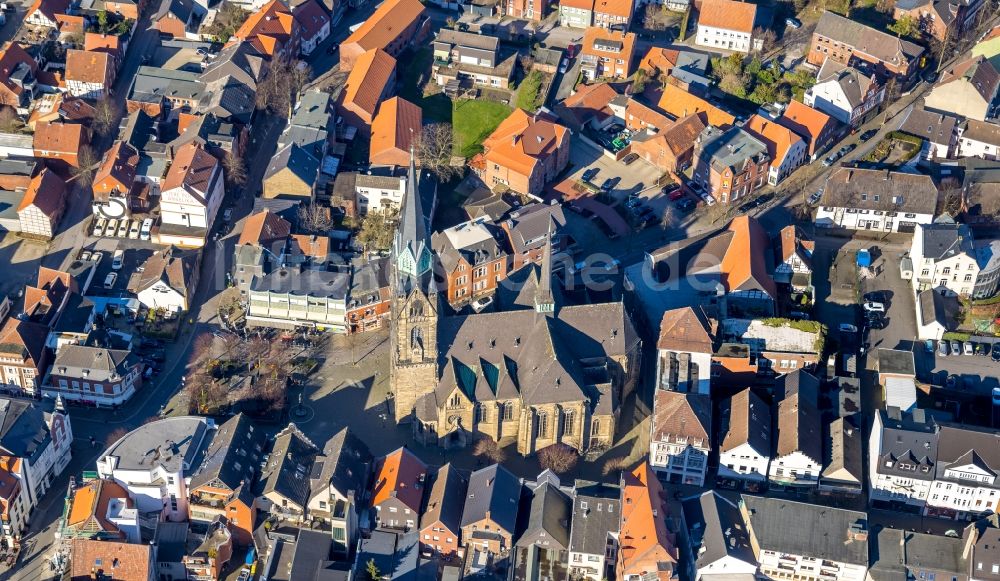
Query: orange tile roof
[[646, 546], [312, 246], [107, 42], [49, 8], [397, 126], [89, 505], [581, 4], [659, 58], [680, 103], [367, 81], [119, 163], [58, 137], [744, 266], [385, 25], [595, 33], [779, 139], [269, 26], [728, 14], [591, 100], [264, 227], [118, 561], [192, 169], [646, 114], [311, 18], [614, 7], [69, 24], [399, 475], [88, 66], [520, 142], [684, 330], [804, 120], [681, 136], [46, 192]]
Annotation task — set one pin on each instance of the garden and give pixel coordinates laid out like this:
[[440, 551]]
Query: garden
[[895, 149]]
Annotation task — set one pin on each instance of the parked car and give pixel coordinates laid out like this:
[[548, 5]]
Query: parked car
[[112, 227], [869, 134], [480, 304], [874, 307], [875, 296], [847, 328], [590, 173], [109, 281], [929, 345], [983, 349], [943, 349], [815, 197], [122, 229], [227, 215], [96, 257], [564, 66], [707, 198], [628, 159], [118, 259], [133, 230], [609, 184], [995, 352], [831, 159], [146, 228], [956, 347], [996, 396], [847, 149], [686, 205], [793, 23], [968, 349], [676, 195], [85, 256]]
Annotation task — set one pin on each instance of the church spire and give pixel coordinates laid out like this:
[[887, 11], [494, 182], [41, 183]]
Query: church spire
[[411, 248], [544, 299]]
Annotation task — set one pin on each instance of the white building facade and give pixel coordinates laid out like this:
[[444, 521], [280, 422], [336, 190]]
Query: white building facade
[[725, 38]]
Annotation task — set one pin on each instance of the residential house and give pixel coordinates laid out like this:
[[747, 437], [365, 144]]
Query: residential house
[[730, 25], [607, 53], [982, 535], [298, 297], [113, 181], [937, 314], [684, 352], [284, 485], [979, 139], [370, 82], [731, 261], [785, 148], [314, 25], [798, 453], [944, 20], [938, 130], [672, 149], [210, 557], [179, 19], [466, 56], [377, 192], [89, 74], [783, 549], [680, 437], [473, 257], [719, 544], [190, 196], [878, 200], [220, 487], [396, 130], [818, 129], [369, 305], [849, 95], [291, 174], [154, 462], [896, 376], [945, 256], [524, 153], [94, 375], [647, 548], [544, 541], [641, 117], [59, 141], [847, 41], [34, 451], [394, 25], [902, 459], [679, 103], [595, 106], [339, 487], [730, 165], [965, 482], [966, 89], [19, 85], [490, 515], [398, 491], [261, 243], [42, 206], [530, 229], [23, 357], [613, 14], [593, 539], [168, 280], [685, 68], [534, 10], [441, 523], [396, 555], [745, 437], [793, 260], [576, 13], [273, 31], [44, 13], [100, 510], [842, 458], [111, 559]]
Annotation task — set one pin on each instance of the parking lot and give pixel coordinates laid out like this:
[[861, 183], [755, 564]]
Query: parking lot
[[136, 254], [637, 177]]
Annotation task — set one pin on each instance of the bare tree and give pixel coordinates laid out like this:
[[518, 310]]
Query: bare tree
[[435, 149], [766, 37], [559, 458], [616, 464], [106, 115], [949, 198], [279, 90], [487, 447], [115, 435], [10, 121], [201, 348], [669, 216], [377, 230], [86, 168], [315, 219], [235, 169]]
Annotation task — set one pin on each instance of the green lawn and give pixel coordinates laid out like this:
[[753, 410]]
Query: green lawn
[[473, 121], [527, 93]]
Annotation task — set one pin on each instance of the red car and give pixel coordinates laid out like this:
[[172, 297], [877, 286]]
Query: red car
[[571, 51], [676, 195]]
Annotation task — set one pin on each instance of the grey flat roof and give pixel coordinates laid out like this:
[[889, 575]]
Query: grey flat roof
[[176, 444]]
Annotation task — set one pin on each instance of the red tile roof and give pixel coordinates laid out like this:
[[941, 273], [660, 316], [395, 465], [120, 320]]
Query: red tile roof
[[311, 18], [89, 66], [192, 169], [728, 15], [400, 475], [385, 25], [521, 141], [270, 28], [46, 192], [65, 138], [110, 560], [647, 548], [778, 138], [397, 126], [366, 83], [264, 227]]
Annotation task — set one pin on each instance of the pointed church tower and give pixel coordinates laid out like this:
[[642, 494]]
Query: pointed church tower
[[415, 305], [545, 301]]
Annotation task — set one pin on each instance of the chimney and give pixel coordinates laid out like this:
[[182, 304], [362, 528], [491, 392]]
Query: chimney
[[513, 139]]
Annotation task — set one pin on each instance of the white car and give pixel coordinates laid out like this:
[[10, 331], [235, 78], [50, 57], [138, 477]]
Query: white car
[[118, 259], [873, 307], [112, 227], [564, 66], [99, 226], [480, 304], [85, 256], [146, 228], [815, 197], [109, 281], [133, 230], [708, 199], [122, 229], [968, 348]]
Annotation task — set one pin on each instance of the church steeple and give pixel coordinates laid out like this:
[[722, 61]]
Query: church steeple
[[411, 247], [545, 302]]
